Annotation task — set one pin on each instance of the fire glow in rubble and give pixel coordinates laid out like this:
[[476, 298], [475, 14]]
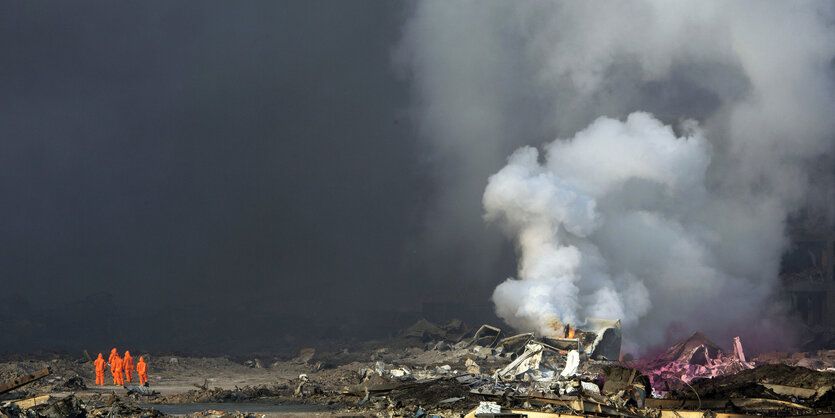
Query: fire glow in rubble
[[693, 358]]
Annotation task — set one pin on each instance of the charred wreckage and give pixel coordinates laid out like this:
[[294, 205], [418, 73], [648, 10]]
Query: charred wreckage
[[582, 373], [447, 370]]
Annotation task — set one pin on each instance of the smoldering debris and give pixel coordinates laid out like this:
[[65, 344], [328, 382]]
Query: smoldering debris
[[442, 371], [693, 358], [523, 373]]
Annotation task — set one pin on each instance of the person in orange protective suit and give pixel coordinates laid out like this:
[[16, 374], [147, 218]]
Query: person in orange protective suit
[[127, 365], [116, 360], [141, 370], [113, 354], [117, 371], [99, 363]]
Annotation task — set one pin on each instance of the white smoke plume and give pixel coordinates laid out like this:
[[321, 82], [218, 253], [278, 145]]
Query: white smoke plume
[[568, 214], [628, 217]]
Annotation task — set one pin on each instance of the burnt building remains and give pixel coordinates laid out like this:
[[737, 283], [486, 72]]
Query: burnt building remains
[[807, 268]]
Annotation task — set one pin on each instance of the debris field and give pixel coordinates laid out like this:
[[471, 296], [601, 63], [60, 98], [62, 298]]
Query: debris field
[[443, 370]]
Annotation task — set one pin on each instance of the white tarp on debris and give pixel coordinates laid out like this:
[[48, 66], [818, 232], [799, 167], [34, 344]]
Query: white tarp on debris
[[572, 362]]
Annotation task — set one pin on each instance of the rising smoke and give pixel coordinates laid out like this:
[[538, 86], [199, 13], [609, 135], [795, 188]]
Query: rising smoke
[[655, 223]]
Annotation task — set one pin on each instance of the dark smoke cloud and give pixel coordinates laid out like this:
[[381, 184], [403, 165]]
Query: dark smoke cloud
[[193, 175]]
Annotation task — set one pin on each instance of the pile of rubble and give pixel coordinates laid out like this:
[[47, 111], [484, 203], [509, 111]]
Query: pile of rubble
[[48, 405], [70, 406], [518, 369], [696, 357], [56, 406], [447, 370], [490, 374]]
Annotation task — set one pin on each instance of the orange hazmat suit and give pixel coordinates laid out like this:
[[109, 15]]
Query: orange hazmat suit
[[127, 365], [113, 354], [117, 371], [116, 360], [141, 370], [99, 363]]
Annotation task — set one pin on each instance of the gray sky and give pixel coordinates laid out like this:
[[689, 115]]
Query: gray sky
[[210, 158]]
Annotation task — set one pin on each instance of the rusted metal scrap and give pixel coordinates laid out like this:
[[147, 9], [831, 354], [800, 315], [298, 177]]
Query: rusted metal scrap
[[516, 343], [487, 336], [24, 380]]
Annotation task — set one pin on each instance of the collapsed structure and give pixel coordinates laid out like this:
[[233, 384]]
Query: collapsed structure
[[601, 341], [580, 375]]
